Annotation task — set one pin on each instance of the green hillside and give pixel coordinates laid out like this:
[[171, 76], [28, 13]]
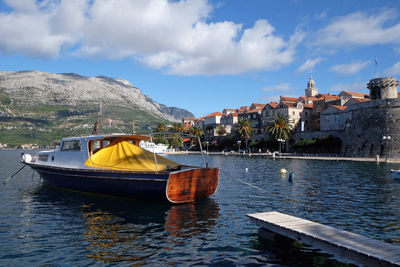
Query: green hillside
[[45, 124]]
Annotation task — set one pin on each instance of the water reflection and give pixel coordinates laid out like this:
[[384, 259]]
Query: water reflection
[[191, 219], [118, 230]]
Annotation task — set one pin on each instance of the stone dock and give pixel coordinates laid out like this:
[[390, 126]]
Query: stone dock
[[294, 156]]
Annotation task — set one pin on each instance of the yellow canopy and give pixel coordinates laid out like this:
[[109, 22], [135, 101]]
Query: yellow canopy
[[124, 156]]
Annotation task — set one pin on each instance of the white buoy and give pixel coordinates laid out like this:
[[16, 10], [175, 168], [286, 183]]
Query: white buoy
[[283, 171], [247, 170]]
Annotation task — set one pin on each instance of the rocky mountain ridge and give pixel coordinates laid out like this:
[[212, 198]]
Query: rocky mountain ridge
[[40, 108], [34, 87]]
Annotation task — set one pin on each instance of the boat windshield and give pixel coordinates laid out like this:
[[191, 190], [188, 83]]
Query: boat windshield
[[73, 145]]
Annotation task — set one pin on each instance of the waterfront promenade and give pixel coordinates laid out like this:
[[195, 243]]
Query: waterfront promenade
[[294, 156]]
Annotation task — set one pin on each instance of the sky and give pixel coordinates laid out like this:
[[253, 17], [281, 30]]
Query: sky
[[204, 56]]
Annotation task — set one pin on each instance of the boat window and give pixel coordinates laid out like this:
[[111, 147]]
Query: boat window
[[74, 145]]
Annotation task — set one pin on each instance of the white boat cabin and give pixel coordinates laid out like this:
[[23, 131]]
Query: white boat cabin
[[74, 151]]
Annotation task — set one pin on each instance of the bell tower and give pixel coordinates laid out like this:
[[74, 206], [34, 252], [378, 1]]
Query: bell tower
[[311, 89]]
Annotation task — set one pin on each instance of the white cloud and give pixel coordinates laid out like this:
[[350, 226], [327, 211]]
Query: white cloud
[[309, 64], [350, 68], [40, 29], [174, 36], [360, 29], [393, 70], [282, 87]]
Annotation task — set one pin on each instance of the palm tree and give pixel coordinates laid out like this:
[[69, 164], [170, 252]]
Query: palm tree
[[197, 132], [279, 128], [178, 127], [244, 129]]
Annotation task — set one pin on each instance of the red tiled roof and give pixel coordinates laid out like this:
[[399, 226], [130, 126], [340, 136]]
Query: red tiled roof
[[313, 98], [256, 110], [289, 99], [214, 114], [289, 104], [200, 119], [273, 104], [258, 105], [339, 107], [356, 94]]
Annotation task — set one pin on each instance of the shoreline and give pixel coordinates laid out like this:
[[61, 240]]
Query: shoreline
[[289, 156]]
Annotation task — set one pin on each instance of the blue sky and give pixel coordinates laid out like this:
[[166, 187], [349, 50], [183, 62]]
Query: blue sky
[[205, 56]]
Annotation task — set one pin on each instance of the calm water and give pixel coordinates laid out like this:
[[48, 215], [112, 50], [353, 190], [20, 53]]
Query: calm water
[[43, 225]]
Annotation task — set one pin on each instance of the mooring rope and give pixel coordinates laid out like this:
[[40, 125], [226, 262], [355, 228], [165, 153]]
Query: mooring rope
[[249, 184], [269, 192]]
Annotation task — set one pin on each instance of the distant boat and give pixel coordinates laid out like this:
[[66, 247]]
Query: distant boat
[[395, 173], [116, 165], [152, 147]]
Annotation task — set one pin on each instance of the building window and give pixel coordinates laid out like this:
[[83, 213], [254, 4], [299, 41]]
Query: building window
[[294, 112], [306, 113]]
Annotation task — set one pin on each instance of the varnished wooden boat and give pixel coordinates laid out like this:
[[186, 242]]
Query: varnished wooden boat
[[116, 165]]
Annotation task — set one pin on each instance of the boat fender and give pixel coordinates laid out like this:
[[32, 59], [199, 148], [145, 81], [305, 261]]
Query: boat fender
[[291, 176], [26, 157]]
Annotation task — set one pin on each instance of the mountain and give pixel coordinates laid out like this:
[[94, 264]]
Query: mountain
[[35, 105]]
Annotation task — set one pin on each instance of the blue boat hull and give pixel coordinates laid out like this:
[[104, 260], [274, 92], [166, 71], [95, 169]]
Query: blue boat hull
[[138, 185]]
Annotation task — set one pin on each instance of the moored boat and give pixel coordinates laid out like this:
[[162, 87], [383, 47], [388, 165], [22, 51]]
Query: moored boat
[[116, 165], [153, 147], [395, 173]]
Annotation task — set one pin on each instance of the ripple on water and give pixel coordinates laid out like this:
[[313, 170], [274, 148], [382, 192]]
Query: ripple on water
[[46, 225]]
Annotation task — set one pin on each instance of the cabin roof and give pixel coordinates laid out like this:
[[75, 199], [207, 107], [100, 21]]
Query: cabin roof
[[107, 137]]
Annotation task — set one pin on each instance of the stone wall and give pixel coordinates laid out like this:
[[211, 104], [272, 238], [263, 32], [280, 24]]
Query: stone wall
[[367, 123]]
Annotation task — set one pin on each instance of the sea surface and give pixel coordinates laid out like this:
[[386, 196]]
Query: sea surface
[[41, 225]]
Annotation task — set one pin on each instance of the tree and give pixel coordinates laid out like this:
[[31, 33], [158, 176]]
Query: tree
[[279, 127], [245, 130], [196, 132], [178, 127], [221, 130], [175, 140]]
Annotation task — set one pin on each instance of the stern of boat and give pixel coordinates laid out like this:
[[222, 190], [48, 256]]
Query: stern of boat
[[193, 184]]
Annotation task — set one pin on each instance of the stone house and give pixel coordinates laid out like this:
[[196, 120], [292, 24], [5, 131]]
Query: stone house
[[320, 105], [293, 110], [211, 122], [267, 114], [199, 123], [346, 96], [334, 118], [353, 101]]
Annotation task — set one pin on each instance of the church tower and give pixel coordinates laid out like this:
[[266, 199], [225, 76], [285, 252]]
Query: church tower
[[311, 89]]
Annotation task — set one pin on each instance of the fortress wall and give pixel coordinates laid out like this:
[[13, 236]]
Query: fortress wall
[[369, 122]]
